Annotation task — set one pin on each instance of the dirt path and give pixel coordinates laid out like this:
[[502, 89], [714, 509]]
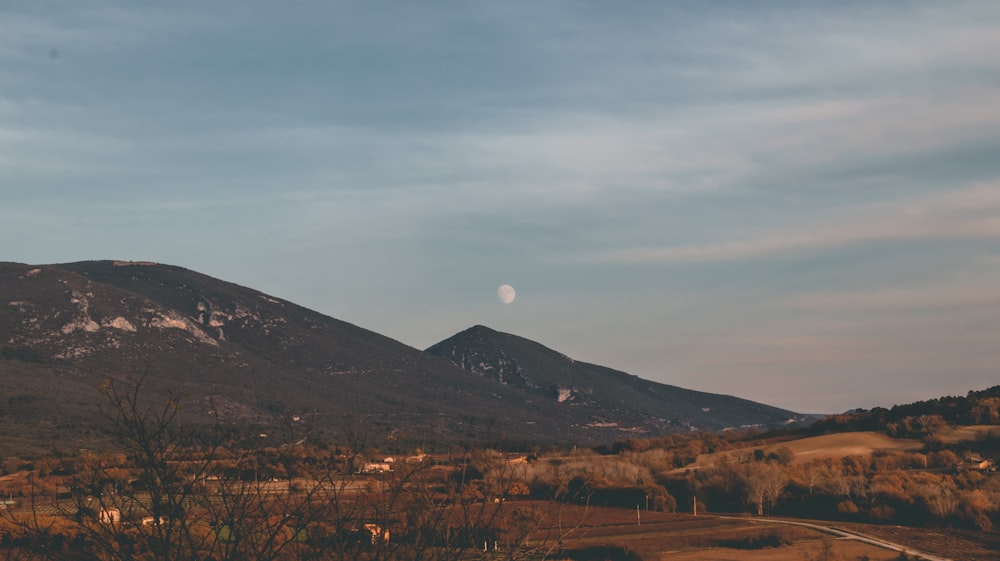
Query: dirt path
[[850, 534]]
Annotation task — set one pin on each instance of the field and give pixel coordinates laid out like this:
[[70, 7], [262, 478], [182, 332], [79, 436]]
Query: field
[[478, 503], [959, 545], [839, 445], [684, 537], [972, 432], [818, 447], [844, 444]]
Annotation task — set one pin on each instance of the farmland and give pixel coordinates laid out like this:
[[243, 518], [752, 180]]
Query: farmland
[[670, 536], [166, 494], [827, 446], [498, 489]]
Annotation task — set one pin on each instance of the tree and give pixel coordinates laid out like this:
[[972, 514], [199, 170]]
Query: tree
[[942, 501], [763, 484], [182, 498], [172, 493], [811, 475]]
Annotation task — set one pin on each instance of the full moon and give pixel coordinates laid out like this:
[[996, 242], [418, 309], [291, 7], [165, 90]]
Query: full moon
[[506, 293]]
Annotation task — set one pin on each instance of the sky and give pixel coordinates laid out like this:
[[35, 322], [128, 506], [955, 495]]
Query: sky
[[794, 202]]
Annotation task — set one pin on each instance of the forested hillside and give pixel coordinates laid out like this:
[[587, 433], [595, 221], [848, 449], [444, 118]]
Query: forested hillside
[[921, 418]]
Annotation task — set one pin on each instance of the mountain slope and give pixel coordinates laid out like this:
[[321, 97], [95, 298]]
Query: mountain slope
[[232, 351], [243, 356], [637, 404]]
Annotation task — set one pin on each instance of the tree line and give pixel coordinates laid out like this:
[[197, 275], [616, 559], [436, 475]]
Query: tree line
[[167, 491]]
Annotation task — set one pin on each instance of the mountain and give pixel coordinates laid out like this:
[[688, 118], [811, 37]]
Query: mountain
[[232, 352], [241, 356], [609, 397]]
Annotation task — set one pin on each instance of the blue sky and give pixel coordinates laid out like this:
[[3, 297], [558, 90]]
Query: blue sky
[[794, 202]]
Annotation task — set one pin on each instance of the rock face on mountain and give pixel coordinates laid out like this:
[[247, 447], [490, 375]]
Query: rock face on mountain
[[238, 355], [614, 398], [232, 353]]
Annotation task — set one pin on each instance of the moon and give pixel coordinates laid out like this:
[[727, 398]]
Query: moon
[[506, 293]]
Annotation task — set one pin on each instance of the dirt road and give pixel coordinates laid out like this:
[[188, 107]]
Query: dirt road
[[850, 534]]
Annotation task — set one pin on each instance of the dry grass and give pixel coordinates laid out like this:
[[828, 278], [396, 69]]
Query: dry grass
[[803, 551], [972, 432], [844, 444], [833, 446], [956, 544], [683, 537]]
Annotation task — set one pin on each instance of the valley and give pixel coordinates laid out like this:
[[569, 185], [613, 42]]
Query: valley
[[153, 407], [739, 496]]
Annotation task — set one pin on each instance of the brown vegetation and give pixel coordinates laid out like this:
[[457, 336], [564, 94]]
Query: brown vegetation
[[170, 493]]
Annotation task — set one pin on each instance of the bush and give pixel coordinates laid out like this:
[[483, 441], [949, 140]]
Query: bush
[[600, 553], [847, 507], [883, 512], [764, 540]]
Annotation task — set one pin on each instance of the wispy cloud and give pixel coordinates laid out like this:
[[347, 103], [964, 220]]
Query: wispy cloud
[[971, 213], [953, 298], [376, 150]]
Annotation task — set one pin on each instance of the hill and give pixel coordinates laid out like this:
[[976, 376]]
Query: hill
[[806, 449], [628, 401], [242, 356], [233, 352], [920, 418], [926, 426]]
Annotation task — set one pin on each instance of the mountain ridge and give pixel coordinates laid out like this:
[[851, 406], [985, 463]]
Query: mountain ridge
[[513, 360], [246, 356]]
